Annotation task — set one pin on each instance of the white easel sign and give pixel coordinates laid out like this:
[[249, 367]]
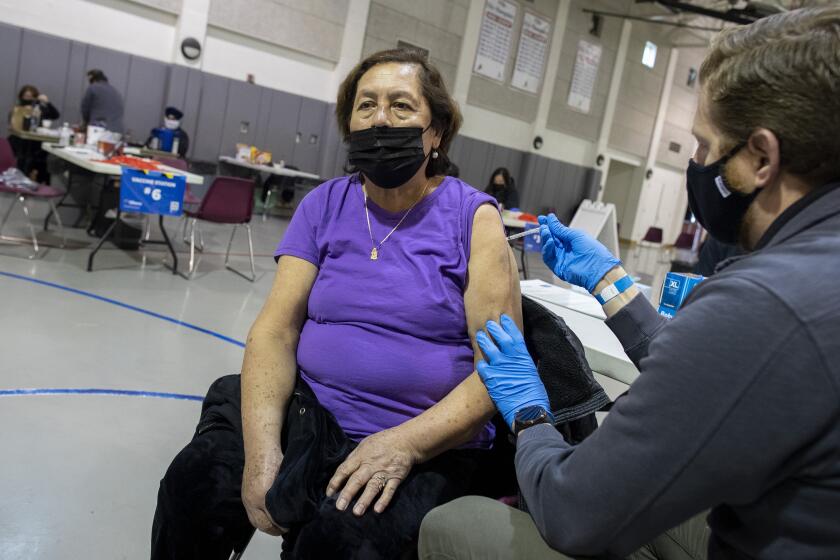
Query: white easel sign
[[584, 76], [495, 39], [598, 220], [531, 54]]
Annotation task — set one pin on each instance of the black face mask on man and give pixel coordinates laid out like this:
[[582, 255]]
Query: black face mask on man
[[718, 208], [387, 155]]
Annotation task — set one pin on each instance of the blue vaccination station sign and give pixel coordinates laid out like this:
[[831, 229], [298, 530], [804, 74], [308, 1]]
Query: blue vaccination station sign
[[152, 192]]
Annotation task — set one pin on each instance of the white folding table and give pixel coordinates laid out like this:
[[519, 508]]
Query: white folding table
[[90, 160]]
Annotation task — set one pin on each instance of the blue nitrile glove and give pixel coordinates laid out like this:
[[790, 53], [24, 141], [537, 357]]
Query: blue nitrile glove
[[509, 372], [573, 255]]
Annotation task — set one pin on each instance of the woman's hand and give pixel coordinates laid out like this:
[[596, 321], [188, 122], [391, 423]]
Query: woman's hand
[[379, 464], [43, 98], [256, 481]]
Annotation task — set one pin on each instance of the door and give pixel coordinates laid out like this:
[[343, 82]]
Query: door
[[308, 135], [618, 190]]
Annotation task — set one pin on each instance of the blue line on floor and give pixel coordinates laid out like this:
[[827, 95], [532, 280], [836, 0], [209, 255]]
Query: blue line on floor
[[116, 392], [124, 305]]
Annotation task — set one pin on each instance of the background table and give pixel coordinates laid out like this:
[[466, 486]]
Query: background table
[[89, 160], [148, 152], [284, 171], [26, 135], [257, 169]]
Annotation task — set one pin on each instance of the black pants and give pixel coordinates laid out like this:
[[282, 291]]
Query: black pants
[[200, 512], [30, 157]]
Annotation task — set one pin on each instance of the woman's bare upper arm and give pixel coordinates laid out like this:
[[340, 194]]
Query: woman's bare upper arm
[[284, 310], [493, 279]]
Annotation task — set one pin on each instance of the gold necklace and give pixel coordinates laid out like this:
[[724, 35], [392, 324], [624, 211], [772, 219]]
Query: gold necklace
[[374, 252]]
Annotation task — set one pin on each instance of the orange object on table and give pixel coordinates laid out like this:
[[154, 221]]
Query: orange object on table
[[526, 217], [135, 162]]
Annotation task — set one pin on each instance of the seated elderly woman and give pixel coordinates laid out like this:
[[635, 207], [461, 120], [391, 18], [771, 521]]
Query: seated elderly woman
[[383, 279]]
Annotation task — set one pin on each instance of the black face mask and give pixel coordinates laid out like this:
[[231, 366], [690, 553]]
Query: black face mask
[[387, 155], [718, 208], [27, 102]]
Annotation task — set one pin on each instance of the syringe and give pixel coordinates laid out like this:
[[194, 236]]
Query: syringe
[[523, 233]]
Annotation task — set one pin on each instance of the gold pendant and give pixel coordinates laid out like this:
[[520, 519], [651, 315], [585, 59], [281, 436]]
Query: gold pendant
[[374, 254]]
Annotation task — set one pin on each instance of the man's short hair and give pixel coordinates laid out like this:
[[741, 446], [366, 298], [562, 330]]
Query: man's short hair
[[97, 76], [781, 73]]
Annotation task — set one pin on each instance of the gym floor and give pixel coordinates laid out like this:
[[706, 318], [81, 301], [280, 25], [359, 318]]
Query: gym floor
[[102, 376], [118, 359]]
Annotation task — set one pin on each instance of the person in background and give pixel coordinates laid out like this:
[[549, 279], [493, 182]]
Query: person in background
[[502, 187], [32, 160], [170, 137], [102, 104]]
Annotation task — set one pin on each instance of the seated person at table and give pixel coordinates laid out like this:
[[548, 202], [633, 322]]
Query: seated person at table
[[32, 160], [383, 279], [502, 187], [166, 137]]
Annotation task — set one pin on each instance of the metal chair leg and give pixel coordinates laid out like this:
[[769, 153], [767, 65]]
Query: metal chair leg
[[191, 269], [185, 221], [253, 276], [200, 246], [147, 227], [267, 203], [251, 252], [6, 215], [23, 204], [230, 244], [57, 217]]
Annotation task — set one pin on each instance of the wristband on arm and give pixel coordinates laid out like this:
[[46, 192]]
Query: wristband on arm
[[613, 290]]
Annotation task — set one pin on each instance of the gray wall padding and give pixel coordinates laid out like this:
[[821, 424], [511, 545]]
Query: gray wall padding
[[9, 57], [215, 107], [544, 184]]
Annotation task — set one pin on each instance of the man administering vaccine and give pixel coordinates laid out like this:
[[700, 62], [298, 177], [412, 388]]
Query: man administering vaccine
[[728, 444]]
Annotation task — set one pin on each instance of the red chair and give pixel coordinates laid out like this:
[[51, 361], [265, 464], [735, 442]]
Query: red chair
[[229, 200], [22, 195]]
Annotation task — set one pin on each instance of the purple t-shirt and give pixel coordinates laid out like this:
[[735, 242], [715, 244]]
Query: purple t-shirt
[[385, 340]]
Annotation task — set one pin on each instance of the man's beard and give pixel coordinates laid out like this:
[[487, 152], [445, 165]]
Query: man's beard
[[735, 185]]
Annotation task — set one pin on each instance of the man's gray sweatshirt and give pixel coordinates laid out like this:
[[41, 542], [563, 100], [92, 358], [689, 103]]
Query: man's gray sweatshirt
[[103, 105], [737, 409]]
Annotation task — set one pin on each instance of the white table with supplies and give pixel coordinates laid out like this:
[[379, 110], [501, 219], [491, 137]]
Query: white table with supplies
[[271, 169], [274, 169], [88, 159]]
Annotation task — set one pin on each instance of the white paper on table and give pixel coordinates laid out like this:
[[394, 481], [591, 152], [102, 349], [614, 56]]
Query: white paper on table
[[584, 76], [575, 299], [495, 39], [531, 54]]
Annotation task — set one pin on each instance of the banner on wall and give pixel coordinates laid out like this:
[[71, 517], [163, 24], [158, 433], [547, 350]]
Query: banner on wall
[[152, 192], [532, 53], [584, 76], [495, 39]]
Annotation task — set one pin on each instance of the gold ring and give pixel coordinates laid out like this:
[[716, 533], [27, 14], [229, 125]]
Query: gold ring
[[381, 480]]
